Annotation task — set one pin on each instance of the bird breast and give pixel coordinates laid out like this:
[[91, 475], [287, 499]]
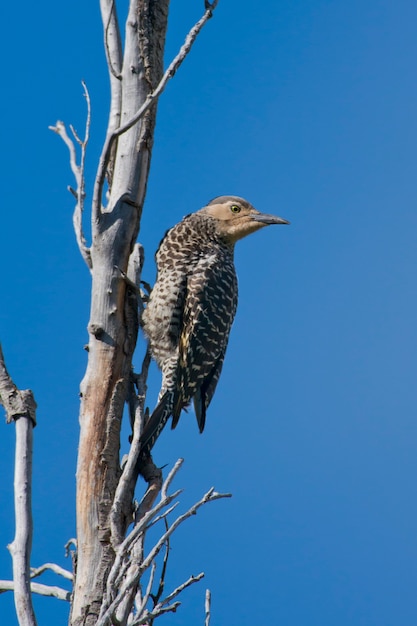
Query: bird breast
[[203, 285]]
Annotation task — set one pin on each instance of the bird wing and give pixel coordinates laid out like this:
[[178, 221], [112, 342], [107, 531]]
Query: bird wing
[[209, 309]]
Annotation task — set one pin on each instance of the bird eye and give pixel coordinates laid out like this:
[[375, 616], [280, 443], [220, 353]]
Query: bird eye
[[235, 208]]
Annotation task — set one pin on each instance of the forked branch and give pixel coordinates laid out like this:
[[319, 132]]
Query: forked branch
[[127, 571], [149, 101], [79, 174]]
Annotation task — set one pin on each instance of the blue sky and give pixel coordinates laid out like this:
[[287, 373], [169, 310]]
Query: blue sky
[[307, 109]]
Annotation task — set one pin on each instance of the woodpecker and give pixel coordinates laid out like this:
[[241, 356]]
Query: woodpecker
[[192, 306]]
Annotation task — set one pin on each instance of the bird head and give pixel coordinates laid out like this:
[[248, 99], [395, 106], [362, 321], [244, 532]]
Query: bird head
[[236, 218]]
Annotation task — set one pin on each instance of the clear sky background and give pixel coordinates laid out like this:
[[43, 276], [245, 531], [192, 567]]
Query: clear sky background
[[309, 110]]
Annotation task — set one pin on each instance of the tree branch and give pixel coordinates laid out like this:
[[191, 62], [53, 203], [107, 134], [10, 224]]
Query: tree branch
[[121, 513], [42, 590], [114, 56], [157, 596], [61, 130], [127, 481], [21, 408], [53, 567], [16, 403], [144, 602], [81, 194], [127, 571], [150, 615], [149, 101], [207, 607], [210, 496], [168, 480], [179, 589], [79, 174], [112, 39], [121, 563]]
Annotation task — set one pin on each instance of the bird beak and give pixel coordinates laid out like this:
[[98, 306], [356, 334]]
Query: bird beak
[[264, 218]]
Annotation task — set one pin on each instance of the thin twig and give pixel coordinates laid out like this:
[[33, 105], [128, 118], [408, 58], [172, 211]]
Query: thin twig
[[156, 613], [149, 101], [157, 596], [77, 217], [147, 595], [180, 588], [127, 280], [170, 478], [67, 546], [79, 174], [163, 515], [210, 496], [75, 135], [61, 130]]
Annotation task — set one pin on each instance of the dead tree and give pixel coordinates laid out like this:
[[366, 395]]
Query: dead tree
[[110, 558]]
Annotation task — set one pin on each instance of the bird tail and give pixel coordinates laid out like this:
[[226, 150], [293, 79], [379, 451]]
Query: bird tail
[[199, 400], [156, 422]]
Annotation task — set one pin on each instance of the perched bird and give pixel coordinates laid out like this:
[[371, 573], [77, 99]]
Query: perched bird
[[192, 306]]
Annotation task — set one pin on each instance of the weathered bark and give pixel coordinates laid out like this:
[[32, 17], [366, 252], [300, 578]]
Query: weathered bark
[[21, 546], [111, 340], [21, 408]]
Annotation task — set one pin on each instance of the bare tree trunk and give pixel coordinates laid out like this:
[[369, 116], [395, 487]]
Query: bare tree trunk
[[111, 340]]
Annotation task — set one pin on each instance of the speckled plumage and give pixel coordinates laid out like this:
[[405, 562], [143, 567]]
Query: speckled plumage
[[192, 306]]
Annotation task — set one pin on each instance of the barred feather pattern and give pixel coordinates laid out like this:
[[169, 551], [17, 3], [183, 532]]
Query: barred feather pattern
[[188, 319]]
